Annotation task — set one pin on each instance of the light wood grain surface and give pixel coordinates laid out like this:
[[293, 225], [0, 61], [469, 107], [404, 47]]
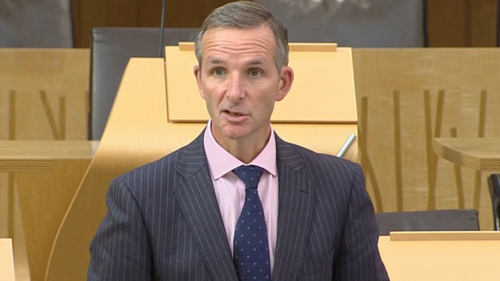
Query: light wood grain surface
[[6, 260], [482, 154], [411, 96], [322, 92], [46, 176], [444, 235], [44, 93], [46, 150], [439, 260]]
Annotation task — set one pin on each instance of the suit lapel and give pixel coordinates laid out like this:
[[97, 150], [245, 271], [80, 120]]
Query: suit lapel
[[295, 212], [199, 206]]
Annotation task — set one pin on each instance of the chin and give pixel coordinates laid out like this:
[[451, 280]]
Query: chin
[[238, 134]]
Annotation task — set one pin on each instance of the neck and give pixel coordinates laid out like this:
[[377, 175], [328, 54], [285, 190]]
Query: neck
[[245, 150]]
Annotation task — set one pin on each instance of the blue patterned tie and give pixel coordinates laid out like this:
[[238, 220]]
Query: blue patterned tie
[[251, 248]]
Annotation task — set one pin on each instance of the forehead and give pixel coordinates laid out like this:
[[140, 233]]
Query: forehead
[[234, 41]]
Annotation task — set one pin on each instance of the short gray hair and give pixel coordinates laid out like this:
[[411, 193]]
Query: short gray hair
[[245, 15]]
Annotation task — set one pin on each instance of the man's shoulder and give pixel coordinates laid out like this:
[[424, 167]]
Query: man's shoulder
[[161, 168]]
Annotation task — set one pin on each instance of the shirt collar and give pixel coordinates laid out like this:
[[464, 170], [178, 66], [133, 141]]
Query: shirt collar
[[222, 162]]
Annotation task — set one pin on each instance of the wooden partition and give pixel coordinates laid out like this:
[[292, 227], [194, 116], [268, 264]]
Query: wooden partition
[[408, 97], [441, 256], [43, 97], [6, 260]]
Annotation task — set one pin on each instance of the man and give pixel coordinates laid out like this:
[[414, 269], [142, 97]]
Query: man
[[239, 203]]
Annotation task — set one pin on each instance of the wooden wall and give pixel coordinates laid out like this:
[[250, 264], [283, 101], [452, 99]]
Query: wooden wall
[[43, 96], [405, 98], [88, 14], [451, 23], [462, 23]]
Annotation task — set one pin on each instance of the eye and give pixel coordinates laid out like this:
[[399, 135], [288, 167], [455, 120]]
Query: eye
[[255, 72], [218, 71]]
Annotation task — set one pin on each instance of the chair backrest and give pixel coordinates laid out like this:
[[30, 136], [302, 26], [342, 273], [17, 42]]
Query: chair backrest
[[494, 187], [380, 24], [435, 220], [111, 50]]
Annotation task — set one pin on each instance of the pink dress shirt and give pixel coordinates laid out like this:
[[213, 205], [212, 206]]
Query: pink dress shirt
[[230, 191]]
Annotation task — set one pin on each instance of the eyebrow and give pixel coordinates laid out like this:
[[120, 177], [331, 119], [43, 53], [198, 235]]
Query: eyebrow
[[252, 62], [215, 61], [256, 62]]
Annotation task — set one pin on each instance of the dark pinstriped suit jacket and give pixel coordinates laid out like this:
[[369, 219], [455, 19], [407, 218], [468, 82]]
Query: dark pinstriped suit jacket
[[164, 222]]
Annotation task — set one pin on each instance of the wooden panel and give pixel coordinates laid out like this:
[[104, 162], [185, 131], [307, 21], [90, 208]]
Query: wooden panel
[[44, 198], [123, 13], [437, 95], [477, 153], [43, 93], [131, 112], [484, 23], [43, 96], [43, 195], [440, 260], [6, 260], [462, 23], [322, 92], [446, 23], [89, 14], [451, 23], [445, 236]]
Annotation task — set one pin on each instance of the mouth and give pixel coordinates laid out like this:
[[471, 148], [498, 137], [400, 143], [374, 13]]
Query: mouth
[[235, 114]]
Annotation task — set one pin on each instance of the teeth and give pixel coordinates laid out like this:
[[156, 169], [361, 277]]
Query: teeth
[[234, 114]]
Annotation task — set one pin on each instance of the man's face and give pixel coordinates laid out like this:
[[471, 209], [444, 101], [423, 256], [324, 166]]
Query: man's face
[[240, 83]]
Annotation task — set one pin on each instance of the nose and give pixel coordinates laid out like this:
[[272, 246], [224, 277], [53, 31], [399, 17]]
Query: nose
[[235, 90]]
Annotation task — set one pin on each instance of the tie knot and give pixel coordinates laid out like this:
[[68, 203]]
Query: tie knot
[[249, 175]]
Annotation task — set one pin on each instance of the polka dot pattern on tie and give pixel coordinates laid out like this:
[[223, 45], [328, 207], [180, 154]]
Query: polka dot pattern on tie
[[251, 249]]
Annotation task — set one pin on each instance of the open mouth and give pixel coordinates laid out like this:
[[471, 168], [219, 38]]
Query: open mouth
[[234, 113]]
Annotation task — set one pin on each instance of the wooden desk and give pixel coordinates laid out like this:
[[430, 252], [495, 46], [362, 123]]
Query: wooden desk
[[37, 156], [442, 256], [6, 260], [45, 175], [481, 154]]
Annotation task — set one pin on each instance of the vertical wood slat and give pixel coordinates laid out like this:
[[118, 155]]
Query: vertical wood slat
[[62, 118], [10, 176], [50, 116], [397, 151], [432, 159], [480, 134], [458, 176], [12, 205], [365, 159], [12, 115]]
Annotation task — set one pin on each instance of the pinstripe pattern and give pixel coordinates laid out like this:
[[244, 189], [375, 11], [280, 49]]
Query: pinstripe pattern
[[164, 222]]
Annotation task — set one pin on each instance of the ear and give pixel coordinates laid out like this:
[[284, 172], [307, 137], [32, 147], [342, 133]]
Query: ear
[[197, 75], [285, 83]]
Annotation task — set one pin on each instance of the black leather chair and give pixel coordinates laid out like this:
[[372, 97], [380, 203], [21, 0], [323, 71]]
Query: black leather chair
[[436, 220], [494, 187], [110, 52]]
